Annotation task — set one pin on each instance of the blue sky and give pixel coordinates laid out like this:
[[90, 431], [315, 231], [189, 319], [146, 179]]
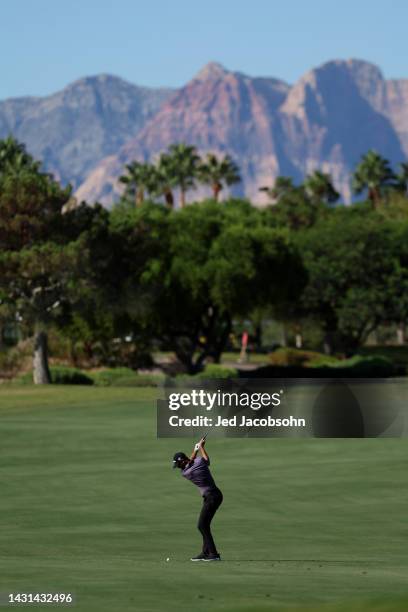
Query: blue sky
[[45, 44]]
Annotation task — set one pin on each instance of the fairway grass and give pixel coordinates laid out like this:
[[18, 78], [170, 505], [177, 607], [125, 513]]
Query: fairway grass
[[90, 505]]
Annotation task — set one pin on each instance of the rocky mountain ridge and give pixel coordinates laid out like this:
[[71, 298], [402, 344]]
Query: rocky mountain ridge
[[334, 113], [73, 129], [327, 120]]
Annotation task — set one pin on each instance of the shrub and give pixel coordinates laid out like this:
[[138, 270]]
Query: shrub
[[15, 359], [212, 370], [69, 376], [125, 377], [355, 367], [24, 379], [113, 376], [298, 357], [358, 365], [397, 354], [61, 375]]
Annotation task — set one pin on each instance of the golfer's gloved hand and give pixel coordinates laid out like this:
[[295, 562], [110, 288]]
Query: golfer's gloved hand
[[197, 446]]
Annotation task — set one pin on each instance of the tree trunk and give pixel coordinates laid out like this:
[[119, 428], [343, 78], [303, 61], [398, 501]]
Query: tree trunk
[[41, 372], [139, 197], [375, 196], [328, 344], [258, 337], [182, 198], [284, 336], [73, 354], [221, 341], [298, 340], [401, 334], [216, 191], [168, 196]]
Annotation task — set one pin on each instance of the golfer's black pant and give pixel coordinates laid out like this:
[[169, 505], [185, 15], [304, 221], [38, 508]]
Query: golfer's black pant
[[211, 502]]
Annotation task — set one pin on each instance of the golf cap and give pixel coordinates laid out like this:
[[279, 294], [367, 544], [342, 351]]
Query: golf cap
[[177, 458]]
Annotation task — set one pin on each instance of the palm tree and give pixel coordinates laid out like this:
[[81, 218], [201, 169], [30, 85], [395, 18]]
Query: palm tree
[[319, 186], [183, 164], [374, 174], [140, 178], [165, 179], [282, 187], [215, 172]]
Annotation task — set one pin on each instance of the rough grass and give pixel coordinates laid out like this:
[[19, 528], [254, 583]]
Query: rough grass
[[89, 504]]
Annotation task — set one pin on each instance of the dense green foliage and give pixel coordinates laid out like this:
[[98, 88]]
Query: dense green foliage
[[36, 257], [316, 364], [357, 275], [117, 285]]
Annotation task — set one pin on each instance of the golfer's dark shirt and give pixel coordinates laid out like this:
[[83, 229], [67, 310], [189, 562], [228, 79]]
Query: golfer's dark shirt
[[200, 475]]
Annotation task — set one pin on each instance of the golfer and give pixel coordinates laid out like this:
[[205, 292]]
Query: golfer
[[196, 469]]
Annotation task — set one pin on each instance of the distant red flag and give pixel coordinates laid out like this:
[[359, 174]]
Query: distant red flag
[[244, 341]]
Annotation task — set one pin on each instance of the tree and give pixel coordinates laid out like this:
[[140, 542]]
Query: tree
[[220, 262], [217, 172], [38, 280], [14, 157], [355, 277], [319, 186], [402, 177], [36, 261], [129, 280], [182, 164], [165, 179], [88, 322], [141, 178], [295, 210], [373, 173], [399, 314], [283, 186]]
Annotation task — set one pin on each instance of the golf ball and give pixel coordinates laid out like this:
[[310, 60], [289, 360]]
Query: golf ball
[[168, 559]]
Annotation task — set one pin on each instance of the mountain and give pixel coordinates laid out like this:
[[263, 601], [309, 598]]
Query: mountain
[[389, 97], [327, 120], [330, 119], [72, 130], [217, 111], [86, 133]]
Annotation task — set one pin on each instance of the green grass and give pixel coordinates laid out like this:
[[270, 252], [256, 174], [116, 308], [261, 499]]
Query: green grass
[[255, 358], [228, 357], [89, 504]]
